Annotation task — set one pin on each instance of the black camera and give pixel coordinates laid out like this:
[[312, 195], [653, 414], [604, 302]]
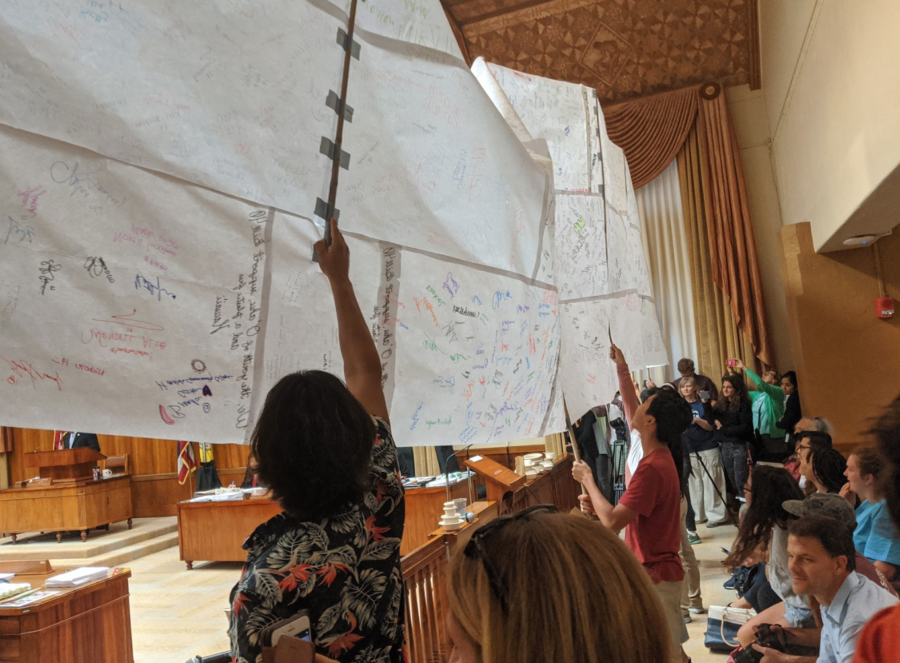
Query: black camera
[[766, 636], [772, 637], [621, 430]]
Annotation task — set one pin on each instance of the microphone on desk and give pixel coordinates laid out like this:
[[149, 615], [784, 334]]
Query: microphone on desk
[[447, 474], [469, 480]]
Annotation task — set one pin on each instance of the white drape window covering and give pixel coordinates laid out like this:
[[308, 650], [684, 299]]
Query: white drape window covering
[[666, 252]]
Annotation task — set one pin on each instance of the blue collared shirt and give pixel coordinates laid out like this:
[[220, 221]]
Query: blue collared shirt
[[855, 603]]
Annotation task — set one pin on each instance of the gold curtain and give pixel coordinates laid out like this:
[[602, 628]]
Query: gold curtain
[[426, 462], [652, 130], [718, 336], [733, 262]]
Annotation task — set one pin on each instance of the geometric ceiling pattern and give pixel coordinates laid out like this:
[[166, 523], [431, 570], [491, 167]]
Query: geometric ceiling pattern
[[622, 48]]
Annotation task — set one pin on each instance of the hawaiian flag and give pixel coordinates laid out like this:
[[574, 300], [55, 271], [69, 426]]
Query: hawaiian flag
[[186, 462]]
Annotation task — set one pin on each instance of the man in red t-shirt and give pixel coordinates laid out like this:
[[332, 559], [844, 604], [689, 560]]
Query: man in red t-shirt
[[650, 508], [880, 640]]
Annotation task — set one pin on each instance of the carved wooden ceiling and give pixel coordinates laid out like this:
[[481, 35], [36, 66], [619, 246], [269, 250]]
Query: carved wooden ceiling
[[623, 48]]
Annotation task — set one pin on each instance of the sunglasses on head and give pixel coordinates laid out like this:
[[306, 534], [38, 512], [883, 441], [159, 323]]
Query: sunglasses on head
[[475, 548]]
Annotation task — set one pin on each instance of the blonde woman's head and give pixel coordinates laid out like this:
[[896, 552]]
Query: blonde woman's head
[[556, 588], [688, 388]]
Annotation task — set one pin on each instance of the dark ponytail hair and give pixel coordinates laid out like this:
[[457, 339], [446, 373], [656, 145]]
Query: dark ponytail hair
[[772, 486], [792, 378], [673, 416], [828, 466]]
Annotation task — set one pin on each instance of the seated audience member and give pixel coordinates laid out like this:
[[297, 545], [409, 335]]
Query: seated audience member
[[806, 424], [541, 586], [686, 370], [326, 452], [834, 506], [819, 424], [793, 413], [705, 476], [650, 509], [823, 566], [818, 504], [880, 641], [733, 417], [875, 536], [824, 471], [759, 595], [808, 442], [768, 408], [764, 527]]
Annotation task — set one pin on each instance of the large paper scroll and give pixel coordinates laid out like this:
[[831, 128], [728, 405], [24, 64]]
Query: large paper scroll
[[433, 167], [130, 303], [230, 95], [599, 263], [476, 354], [163, 168]]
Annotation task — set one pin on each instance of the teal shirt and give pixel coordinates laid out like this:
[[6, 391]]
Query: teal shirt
[[768, 406], [875, 537]]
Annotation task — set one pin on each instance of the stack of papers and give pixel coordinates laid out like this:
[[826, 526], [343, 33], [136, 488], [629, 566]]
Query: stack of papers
[[7, 576], [78, 577], [9, 590], [454, 477], [233, 496]]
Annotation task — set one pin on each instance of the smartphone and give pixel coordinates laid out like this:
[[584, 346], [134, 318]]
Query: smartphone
[[296, 626], [731, 363], [704, 395]]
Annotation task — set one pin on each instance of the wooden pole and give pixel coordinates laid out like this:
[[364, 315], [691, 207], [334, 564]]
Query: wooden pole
[[572, 439]]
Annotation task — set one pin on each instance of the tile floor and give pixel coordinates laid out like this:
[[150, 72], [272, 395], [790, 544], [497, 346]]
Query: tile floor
[[177, 614]]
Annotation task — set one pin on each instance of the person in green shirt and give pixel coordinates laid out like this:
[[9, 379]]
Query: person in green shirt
[[768, 408]]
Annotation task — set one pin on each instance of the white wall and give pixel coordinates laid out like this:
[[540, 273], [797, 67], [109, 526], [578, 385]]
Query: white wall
[[831, 75]]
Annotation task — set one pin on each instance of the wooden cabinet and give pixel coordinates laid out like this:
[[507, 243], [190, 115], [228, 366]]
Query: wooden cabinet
[[62, 508], [215, 531], [424, 508], [90, 623]]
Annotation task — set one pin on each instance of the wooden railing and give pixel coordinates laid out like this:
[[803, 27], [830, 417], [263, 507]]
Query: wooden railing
[[425, 577], [425, 573], [425, 568]]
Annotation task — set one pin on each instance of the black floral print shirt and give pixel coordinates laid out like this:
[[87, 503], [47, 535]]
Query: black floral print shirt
[[343, 570]]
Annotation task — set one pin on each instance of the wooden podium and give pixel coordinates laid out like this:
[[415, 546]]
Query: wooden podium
[[499, 481], [66, 465]]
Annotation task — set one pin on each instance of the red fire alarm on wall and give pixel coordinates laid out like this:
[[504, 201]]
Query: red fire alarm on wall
[[884, 307]]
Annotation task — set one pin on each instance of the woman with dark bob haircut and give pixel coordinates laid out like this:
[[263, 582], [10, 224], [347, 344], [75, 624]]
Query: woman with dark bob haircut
[[325, 450]]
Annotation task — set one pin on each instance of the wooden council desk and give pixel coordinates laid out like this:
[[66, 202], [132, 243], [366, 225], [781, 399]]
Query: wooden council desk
[[59, 508], [215, 531], [88, 623]]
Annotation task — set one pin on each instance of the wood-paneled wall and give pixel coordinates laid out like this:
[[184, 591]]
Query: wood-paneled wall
[[152, 463]]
